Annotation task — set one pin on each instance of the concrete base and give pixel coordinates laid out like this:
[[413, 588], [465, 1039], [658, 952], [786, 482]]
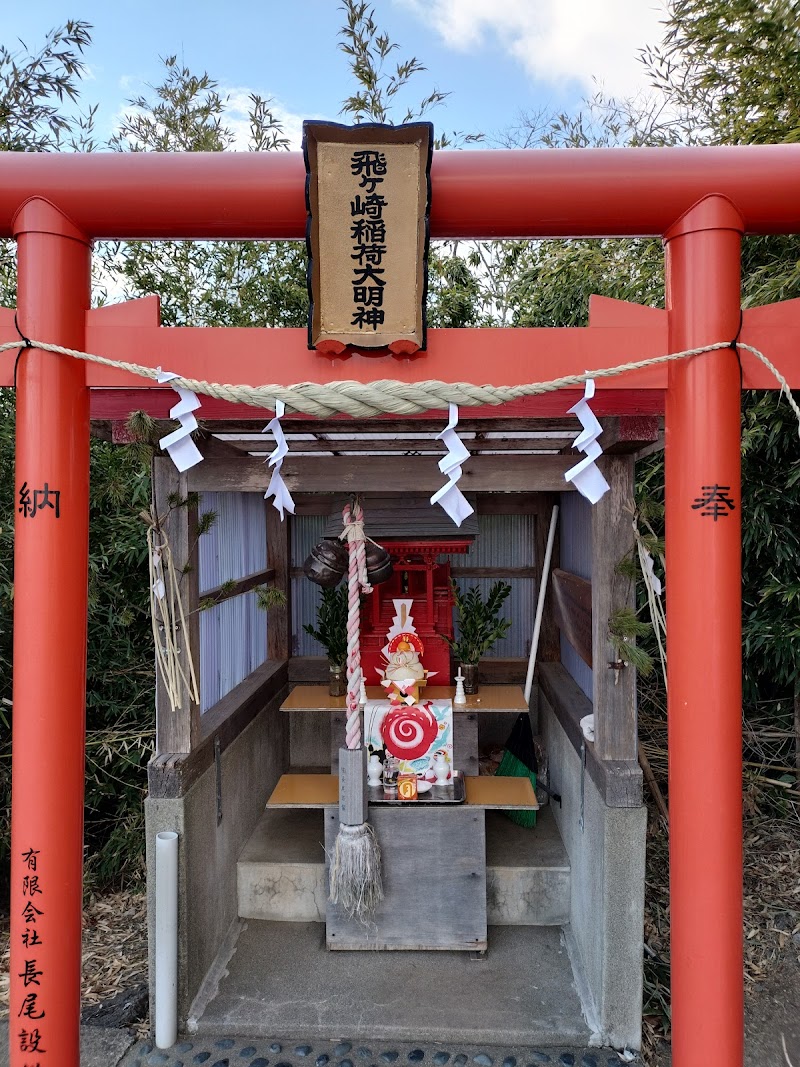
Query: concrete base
[[209, 845], [606, 847], [281, 871], [280, 981]]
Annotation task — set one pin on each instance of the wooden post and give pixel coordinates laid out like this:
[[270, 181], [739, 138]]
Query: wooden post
[[178, 730], [613, 690], [549, 638], [279, 552], [51, 559]]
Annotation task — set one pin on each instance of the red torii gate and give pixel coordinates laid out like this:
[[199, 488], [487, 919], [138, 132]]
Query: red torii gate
[[700, 200]]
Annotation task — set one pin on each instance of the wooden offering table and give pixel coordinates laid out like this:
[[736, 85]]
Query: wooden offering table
[[308, 700], [490, 698], [433, 858]]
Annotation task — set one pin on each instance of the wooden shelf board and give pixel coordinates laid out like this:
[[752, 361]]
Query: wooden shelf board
[[305, 791], [493, 791], [319, 790], [490, 699]]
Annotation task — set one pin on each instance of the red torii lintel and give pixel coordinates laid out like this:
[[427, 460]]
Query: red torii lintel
[[618, 332], [55, 204]]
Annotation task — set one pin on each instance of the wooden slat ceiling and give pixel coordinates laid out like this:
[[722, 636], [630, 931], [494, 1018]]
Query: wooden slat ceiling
[[404, 437], [403, 443]]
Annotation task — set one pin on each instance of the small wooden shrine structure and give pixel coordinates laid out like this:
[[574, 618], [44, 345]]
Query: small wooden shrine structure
[[701, 201]]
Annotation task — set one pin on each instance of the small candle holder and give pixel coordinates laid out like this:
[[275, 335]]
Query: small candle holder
[[460, 697]]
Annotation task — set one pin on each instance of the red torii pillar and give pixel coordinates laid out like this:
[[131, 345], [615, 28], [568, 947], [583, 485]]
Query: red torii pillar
[[704, 637], [51, 548]]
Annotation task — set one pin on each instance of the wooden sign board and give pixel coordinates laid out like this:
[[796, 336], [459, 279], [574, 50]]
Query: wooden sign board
[[572, 606], [368, 200]]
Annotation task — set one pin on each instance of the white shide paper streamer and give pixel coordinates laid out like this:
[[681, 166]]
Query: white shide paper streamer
[[450, 496], [159, 588], [182, 450], [648, 564], [277, 487], [585, 476]]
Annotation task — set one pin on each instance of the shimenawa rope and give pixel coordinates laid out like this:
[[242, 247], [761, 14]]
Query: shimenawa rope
[[362, 400]]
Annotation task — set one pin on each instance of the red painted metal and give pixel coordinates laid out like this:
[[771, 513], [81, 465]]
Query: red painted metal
[[704, 640], [51, 558], [556, 193], [258, 356], [619, 332]]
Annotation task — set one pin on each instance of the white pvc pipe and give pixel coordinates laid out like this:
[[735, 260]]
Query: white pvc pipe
[[166, 964], [537, 624]]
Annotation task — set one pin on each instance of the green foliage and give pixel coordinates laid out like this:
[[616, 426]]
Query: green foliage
[[623, 628], [120, 686], [201, 283], [479, 622], [771, 548], [732, 68], [269, 596], [331, 629], [380, 87], [34, 86]]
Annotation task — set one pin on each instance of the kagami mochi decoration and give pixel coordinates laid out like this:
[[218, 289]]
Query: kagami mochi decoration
[[404, 675]]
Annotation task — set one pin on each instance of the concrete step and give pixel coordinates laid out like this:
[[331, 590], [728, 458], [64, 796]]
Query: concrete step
[[527, 872], [281, 870]]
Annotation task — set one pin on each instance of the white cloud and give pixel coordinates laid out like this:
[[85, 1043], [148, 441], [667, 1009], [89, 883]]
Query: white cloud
[[555, 41]]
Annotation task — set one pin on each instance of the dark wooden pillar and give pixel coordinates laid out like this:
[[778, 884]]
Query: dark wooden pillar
[[177, 730], [614, 690]]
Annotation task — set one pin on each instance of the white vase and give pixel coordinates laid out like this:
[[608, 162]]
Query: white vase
[[374, 770], [441, 768]]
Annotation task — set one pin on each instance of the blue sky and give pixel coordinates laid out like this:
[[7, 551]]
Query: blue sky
[[496, 57]]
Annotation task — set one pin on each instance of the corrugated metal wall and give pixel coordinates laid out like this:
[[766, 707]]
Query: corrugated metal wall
[[233, 634], [306, 532], [505, 541], [576, 556]]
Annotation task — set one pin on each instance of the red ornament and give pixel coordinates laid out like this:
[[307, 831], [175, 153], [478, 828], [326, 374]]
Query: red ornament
[[412, 640], [409, 732]]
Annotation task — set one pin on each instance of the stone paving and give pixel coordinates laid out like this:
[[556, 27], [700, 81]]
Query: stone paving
[[248, 1052]]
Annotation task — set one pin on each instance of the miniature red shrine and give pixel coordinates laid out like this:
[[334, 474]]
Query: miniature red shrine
[[417, 576]]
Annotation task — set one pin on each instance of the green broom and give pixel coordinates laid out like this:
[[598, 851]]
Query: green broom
[[519, 761]]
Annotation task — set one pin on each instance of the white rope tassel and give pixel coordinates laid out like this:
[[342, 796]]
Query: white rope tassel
[[355, 881]]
